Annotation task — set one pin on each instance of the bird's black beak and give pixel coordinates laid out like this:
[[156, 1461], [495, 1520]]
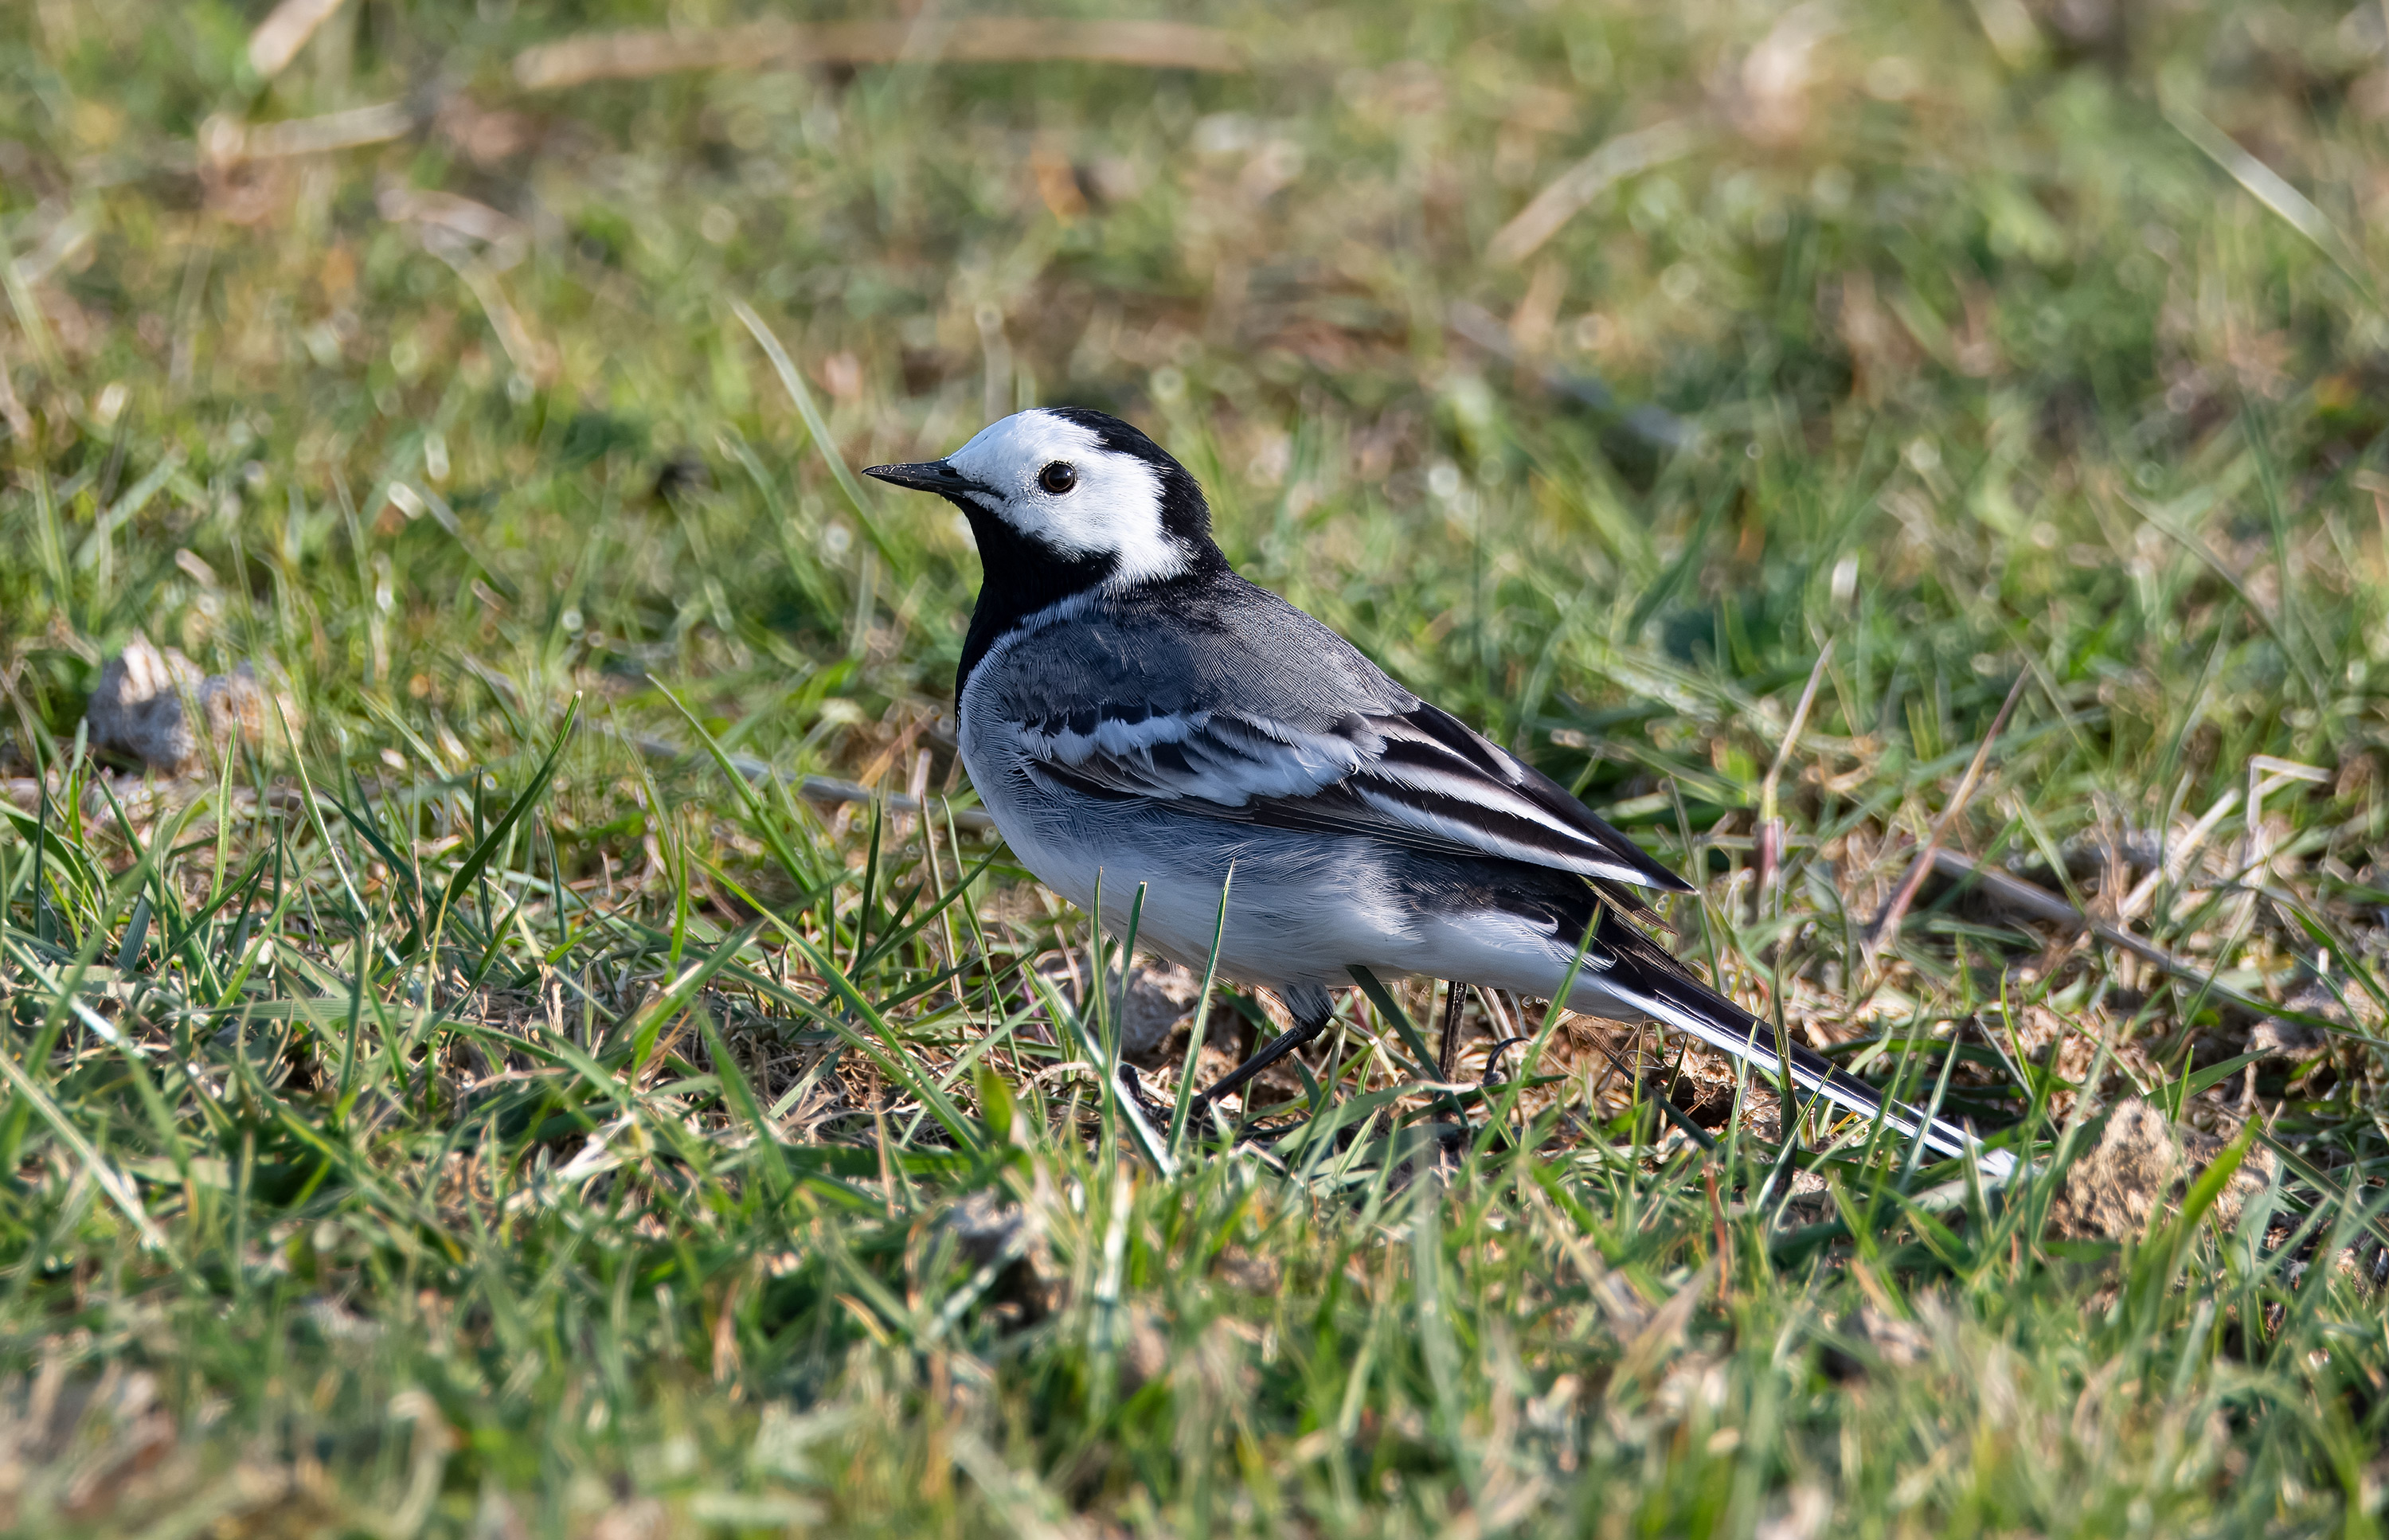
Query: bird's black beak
[[925, 475]]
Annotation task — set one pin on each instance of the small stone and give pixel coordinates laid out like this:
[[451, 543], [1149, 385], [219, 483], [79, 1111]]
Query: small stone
[[1876, 1342], [1159, 996], [139, 710], [2276, 1039], [1145, 1357], [987, 1229]]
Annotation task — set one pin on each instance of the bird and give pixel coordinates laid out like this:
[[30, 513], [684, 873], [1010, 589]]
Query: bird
[[1139, 718]]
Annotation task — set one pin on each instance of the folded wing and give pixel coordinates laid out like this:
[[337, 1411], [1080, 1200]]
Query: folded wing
[[1417, 778]]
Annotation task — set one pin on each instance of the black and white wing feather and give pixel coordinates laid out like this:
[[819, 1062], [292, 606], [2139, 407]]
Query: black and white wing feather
[[1418, 779], [1263, 715]]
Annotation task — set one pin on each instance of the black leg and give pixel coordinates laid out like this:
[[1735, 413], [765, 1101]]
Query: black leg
[[1133, 1089], [1455, 997], [1304, 1030]]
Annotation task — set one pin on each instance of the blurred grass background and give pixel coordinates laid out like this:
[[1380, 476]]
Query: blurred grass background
[[423, 1132]]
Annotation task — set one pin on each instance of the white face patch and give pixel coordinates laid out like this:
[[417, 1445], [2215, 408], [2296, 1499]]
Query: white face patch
[[1113, 507]]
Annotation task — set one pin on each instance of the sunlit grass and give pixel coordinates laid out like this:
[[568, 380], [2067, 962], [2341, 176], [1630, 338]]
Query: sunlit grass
[[496, 1101]]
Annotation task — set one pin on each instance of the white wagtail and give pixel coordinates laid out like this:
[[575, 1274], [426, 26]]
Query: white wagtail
[[1133, 712]]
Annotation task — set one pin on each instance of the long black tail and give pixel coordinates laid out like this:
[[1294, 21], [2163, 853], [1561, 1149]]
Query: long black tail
[[1626, 968]]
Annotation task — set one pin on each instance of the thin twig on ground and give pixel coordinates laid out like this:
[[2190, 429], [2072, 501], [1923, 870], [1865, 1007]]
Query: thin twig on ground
[[1771, 819]]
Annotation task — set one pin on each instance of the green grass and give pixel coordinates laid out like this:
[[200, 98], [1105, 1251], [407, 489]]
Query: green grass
[[449, 1117]]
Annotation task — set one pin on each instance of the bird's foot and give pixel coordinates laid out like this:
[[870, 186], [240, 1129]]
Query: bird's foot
[[1241, 1076]]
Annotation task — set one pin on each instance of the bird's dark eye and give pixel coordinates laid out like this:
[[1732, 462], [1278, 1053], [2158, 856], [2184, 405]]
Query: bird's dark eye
[[1057, 477]]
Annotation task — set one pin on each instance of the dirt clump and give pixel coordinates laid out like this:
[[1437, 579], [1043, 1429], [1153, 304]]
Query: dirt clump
[[2142, 1162]]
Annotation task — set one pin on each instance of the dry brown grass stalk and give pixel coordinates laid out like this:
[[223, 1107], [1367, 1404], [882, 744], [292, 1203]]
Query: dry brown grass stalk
[[1568, 194], [284, 31]]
